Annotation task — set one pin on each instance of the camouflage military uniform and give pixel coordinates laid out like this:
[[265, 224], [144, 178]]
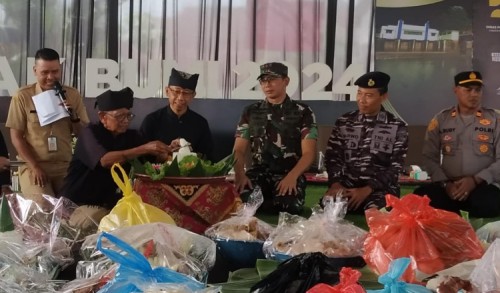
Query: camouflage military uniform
[[470, 146], [275, 133], [367, 151]]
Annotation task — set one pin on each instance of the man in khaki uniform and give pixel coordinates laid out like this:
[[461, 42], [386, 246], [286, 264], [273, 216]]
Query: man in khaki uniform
[[46, 150], [467, 137]]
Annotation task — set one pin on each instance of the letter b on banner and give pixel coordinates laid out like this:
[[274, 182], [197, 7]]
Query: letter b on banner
[[101, 72]]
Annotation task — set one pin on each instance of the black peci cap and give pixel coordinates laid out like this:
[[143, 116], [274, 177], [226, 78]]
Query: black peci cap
[[183, 79], [112, 100]]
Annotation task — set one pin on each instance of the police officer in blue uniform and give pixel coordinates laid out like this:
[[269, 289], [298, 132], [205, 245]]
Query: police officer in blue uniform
[[461, 153], [367, 148]]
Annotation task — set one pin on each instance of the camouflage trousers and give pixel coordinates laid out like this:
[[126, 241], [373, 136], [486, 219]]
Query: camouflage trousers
[[268, 182]]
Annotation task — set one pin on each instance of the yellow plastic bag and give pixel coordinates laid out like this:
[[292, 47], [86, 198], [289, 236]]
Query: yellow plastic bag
[[130, 209]]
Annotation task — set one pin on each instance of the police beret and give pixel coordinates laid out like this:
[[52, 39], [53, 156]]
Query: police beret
[[468, 78], [273, 68], [112, 100], [374, 79], [183, 79]]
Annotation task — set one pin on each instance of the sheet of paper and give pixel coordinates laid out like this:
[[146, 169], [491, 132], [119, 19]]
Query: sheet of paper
[[49, 107]]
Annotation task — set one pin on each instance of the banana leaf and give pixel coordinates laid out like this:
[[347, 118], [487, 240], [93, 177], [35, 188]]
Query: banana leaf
[[197, 171], [6, 223], [172, 170]]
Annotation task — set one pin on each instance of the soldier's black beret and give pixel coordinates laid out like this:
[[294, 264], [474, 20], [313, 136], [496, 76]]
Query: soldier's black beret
[[112, 100], [374, 79], [273, 68], [469, 78], [183, 79]]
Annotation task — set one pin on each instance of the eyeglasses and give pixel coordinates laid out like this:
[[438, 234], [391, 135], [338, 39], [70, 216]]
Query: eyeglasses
[[268, 78], [177, 92], [122, 117]]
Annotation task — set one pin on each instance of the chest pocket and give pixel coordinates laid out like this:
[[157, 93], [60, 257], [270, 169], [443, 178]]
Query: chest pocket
[[383, 138], [257, 124], [448, 143], [290, 128], [352, 136]]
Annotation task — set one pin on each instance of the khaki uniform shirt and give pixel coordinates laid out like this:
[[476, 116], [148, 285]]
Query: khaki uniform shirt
[[469, 145], [22, 116]]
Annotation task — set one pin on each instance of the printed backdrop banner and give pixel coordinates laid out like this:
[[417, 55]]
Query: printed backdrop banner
[[487, 48]]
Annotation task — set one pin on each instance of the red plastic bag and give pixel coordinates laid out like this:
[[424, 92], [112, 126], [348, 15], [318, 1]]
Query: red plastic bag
[[434, 239], [348, 283]]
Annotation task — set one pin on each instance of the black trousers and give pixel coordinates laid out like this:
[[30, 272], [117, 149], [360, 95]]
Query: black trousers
[[268, 182], [483, 201]]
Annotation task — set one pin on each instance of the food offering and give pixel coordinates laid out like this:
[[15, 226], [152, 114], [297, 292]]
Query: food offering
[[193, 191], [240, 238], [325, 231]]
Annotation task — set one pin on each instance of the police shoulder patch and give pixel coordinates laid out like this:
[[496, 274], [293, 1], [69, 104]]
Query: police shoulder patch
[[432, 125]]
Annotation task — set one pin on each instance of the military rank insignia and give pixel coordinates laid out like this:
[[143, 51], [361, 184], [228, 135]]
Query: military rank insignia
[[485, 122]]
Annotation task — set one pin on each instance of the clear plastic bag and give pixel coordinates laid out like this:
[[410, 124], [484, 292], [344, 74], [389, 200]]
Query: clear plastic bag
[[243, 226], [46, 225], [325, 231], [486, 276], [163, 245], [489, 232]]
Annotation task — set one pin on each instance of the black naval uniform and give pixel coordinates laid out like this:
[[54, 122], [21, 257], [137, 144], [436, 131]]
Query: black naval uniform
[[364, 150]]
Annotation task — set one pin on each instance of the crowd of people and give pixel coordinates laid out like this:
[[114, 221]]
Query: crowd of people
[[364, 156]]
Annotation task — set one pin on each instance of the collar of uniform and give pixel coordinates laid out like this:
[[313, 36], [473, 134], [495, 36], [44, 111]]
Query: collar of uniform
[[454, 112], [381, 116], [285, 102], [38, 89]]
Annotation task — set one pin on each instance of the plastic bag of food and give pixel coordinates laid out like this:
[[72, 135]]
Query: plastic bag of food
[[300, 273], [489, 232], [325, 231], [162, 245], [434, 239], [135, 273], [244, 225], [486, 276], [348, 283], [391, 279], [130, 210], [46, 224], [240, 238]]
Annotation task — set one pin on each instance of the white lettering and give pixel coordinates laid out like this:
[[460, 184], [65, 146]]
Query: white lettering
[[100, 76], [103, 74], [8, 81]]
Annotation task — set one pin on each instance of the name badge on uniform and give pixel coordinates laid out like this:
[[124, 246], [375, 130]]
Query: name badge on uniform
[[383, 138], [52, 142], [352, 136]]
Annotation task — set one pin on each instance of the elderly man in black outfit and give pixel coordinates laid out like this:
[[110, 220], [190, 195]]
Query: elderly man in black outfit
[[89, 182]]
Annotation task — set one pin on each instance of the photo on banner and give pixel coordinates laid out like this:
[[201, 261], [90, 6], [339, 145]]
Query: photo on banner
[[422, 44]]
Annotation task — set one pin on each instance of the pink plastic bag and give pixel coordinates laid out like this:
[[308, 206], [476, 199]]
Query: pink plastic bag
[[434, 239], [348, 283]]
